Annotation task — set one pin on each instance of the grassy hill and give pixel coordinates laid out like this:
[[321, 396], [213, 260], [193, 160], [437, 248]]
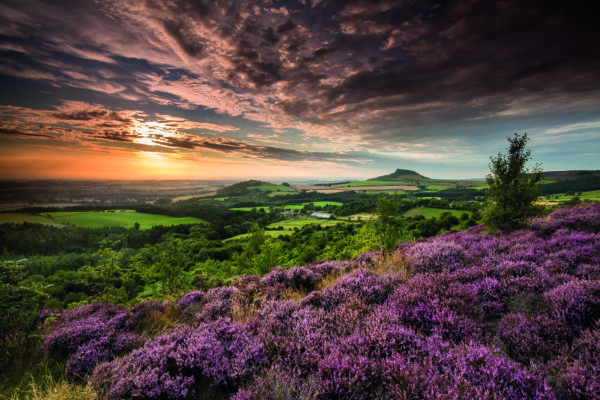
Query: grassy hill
[[570, 181], [244, 188], [402, 175]]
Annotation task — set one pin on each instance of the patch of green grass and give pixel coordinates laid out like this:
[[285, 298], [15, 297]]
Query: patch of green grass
[[267, 209], [437, 187], [268, 233], [293, 207], [432, 212], [290, 224], [19, 218], [271, 188], [124, 218], [361, 217], [374, 183], [325, 203], [273, 194], [591, 195]]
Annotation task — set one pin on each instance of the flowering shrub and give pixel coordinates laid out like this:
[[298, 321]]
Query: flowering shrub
[[189, 299], [173, 366], [577, 303], [536, 338], [218, 303], [435, 256], [297, 278], [505, 316]]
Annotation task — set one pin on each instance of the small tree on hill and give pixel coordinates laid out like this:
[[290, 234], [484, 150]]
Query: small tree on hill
[[513, 187], [388, 222]]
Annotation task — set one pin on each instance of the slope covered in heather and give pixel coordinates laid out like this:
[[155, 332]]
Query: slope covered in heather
[[461, 316]]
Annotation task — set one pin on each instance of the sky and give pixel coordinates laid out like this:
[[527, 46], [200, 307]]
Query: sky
[[294, 90]]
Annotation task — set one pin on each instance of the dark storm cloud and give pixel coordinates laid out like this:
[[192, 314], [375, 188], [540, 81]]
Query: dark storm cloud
[[329, 68], [188, 43]]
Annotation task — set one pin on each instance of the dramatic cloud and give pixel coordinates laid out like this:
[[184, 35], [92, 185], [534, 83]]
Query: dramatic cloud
[[343, 76], [82, 122]]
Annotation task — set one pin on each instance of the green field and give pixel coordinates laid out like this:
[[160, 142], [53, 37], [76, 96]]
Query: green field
[[19, 218], [293, 207], [373, 183], [124, 218], [271, 188], [268, 233], [591, 195], [267, 209], [432, 212], [290, 224], [273, 194], [438, 186]]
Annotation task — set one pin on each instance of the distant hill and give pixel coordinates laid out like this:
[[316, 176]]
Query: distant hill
[[570, 181], [402, 175], [569, 175], [242, 188]]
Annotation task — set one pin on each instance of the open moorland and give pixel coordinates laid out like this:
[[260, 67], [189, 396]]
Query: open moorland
[[464, 315], [130, 289]]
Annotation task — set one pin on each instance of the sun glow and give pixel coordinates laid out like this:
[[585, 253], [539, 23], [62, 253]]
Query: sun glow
[[152, 133]]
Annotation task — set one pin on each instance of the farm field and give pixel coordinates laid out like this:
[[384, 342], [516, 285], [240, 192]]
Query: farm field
[[19, 218], [290, 224], [273, 194], [372, 183], [123, 218], [268, 233], [271, 188], [591, 195], [292, 207], [376, 188], [432, 212], [362, 217]]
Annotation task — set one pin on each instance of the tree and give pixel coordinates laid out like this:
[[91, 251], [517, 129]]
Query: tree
[[171, 263], [513, 187], [388, 222]]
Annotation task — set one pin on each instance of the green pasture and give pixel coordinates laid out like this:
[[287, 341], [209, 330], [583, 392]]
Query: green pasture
[[19, 218], [267, 209], [268, 233], [374, 183], [124, 218], [591, 195], [290, 224], [293, 207], [361, 217], [273, 194], [436, 187], [271, 188], [432, 212]]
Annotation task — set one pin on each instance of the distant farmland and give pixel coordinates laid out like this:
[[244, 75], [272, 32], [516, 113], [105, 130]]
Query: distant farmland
[[123, 218]]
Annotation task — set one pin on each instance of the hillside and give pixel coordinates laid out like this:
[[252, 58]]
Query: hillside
[[243, 188], [402, 175], [569, 175], [570, 181], [463, 315]]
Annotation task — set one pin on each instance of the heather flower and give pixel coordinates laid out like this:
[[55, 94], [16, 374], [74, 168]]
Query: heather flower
[[218, 303], [189, 299], [435, 256], [529, 338], [577, 303]]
